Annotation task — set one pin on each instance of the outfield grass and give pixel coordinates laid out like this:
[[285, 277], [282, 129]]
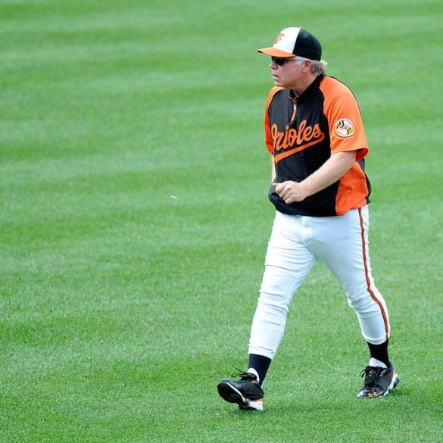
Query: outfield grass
[[134, 222]]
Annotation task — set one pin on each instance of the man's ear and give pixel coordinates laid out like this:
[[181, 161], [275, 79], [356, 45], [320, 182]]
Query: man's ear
[[307, 66]]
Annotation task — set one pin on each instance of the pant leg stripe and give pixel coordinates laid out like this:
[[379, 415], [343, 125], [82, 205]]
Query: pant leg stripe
[[368, 281]]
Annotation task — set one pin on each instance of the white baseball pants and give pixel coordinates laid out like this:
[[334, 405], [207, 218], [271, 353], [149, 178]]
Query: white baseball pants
[[296, 243]]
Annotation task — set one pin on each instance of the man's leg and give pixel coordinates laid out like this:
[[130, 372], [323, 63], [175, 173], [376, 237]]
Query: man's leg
[[342, 244], [287, 264]]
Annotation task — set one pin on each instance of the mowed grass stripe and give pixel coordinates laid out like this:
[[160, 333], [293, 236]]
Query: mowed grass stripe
[[134, 222]]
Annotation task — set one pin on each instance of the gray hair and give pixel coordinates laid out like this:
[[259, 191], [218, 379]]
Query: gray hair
[[318, 66]]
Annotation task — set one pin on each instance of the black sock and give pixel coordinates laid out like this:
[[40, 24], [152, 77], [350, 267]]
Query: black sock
[[260, 364], [380, 352]]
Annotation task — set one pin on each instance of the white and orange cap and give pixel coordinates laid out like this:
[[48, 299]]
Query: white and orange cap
[[294, 41]]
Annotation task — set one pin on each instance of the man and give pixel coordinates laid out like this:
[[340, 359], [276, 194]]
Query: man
[[315, 136]]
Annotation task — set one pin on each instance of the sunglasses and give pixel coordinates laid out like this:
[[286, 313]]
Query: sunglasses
[[280, 61]]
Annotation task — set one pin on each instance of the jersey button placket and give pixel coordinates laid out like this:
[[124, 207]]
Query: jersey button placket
[[294, 111]]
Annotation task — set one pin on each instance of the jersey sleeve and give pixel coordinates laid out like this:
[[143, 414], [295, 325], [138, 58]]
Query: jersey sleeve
[[345, 123], [268, 136]]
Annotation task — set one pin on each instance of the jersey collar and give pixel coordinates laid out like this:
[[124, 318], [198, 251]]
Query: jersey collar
[[308, 91]]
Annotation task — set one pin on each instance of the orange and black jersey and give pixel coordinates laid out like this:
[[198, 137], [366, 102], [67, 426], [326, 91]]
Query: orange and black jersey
[[303, 132]]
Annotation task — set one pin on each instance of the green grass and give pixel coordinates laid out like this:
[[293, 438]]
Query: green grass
[[134, 221]]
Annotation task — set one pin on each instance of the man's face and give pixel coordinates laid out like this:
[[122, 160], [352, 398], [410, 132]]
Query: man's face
[[285, 72]]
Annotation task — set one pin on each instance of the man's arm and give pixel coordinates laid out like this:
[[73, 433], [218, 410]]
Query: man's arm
[[330, 172]]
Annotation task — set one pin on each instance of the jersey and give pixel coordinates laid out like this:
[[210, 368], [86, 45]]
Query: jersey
[[303, 132]]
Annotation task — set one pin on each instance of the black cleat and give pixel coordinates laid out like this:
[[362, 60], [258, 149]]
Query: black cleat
[[378, 382], [246, 392]]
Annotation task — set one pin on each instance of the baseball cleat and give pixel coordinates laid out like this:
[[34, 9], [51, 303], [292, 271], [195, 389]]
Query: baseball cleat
[[378, 382], [246, 392]]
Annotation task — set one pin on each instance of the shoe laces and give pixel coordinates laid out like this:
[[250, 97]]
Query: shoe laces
[[244, 375], [371, 374]]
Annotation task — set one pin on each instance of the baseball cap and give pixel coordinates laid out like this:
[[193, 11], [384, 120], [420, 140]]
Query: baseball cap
[[294, 41]]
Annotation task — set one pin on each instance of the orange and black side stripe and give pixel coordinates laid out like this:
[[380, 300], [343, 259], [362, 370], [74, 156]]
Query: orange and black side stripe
[[368, 280]]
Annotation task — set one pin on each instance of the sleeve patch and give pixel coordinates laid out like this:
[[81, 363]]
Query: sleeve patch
[[344, 127]]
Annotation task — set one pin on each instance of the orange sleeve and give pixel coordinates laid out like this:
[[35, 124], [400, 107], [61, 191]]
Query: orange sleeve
[[345, 123], [268, 137]]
